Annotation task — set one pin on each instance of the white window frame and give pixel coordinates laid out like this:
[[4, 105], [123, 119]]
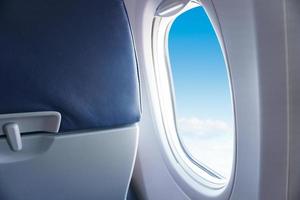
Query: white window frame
[[198, 172]]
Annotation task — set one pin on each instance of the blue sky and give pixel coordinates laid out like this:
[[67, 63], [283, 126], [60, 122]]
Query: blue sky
[[203, 102], [199, 72]]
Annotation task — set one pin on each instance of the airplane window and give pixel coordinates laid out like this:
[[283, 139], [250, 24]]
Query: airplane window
[[203, 101]]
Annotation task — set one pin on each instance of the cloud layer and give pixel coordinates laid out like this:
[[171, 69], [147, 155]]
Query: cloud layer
[[209, 142], [202, 126]]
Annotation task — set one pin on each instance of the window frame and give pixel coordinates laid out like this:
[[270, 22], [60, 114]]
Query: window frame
[[199, 172]]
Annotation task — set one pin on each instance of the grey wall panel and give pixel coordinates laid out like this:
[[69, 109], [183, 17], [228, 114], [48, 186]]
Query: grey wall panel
[[293, 44]]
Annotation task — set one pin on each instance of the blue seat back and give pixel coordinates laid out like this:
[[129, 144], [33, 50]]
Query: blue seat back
[[72, 56]]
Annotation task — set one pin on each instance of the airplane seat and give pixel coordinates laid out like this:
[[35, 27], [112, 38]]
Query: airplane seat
[[70, 102]]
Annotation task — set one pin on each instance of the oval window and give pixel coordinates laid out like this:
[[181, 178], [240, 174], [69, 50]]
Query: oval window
[[203, 102]]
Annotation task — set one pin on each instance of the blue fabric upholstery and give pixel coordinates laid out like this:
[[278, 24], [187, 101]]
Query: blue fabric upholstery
[[71, 56]]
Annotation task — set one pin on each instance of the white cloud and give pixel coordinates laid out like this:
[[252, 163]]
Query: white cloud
[[200, 126], [209, 141]]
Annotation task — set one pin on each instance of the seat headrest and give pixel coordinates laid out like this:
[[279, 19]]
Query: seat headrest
[[72, 56]]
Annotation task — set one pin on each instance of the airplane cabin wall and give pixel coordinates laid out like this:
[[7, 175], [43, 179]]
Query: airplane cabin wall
[[256, 35]]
